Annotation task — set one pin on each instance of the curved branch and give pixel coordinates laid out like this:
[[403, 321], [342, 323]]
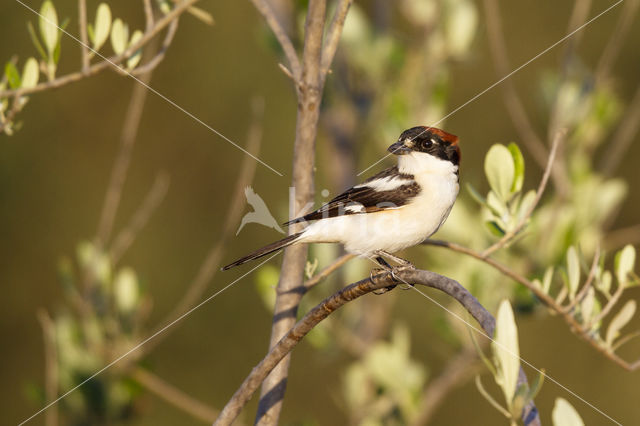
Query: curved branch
[[581, 330], [331, 304], [333, 35], [111, 61], [284, 40]]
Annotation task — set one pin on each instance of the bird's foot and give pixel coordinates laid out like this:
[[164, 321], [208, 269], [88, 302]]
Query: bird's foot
[[377, 273]]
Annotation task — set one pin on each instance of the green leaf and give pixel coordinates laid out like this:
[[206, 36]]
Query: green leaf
[[620, 320], [102, 26], [36, 42], [546, 280], [119, 36], [496, 205], [49, 26], [30, 73], [565, 415], [573, 271], [495, 229], [500, 170], [126, 290], [137, 55], [604, 283], [506, 351], [624, 263], [518, 166], [475, 194], [526, 203], [13, 76]]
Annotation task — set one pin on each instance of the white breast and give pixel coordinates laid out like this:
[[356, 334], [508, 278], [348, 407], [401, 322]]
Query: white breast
[[406, 226]]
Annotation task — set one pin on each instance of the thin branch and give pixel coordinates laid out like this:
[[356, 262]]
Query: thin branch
[[320, 276], [506, 238], [623, 137], [148, 15], [290, 285], [121, 164], [609, 306], [515, 109], [160, 54], [82, 23], [125, 238], [211, 263], [285, 42], [457, 372], [174, 396], [51, 365], [619, 34], [581, 330], [330, 305], [107, 62], [333, 35]]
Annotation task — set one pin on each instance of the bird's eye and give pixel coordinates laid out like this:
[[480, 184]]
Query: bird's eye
[[426, 143]]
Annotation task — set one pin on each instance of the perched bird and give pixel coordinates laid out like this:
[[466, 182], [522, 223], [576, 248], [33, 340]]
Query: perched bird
[[395, 209]]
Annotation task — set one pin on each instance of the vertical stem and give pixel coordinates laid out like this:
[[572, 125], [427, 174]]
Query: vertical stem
[[290, 289], [82, 21]]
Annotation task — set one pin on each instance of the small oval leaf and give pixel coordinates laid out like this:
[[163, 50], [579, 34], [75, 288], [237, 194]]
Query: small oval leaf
[[620, 320], [506, 351], [13, 75], [573, 271], [119, 36], [102, 25], [49, 26], [624, 263], [137, 55], [565, 415], [500, 170], [30, 73], [518, 166]]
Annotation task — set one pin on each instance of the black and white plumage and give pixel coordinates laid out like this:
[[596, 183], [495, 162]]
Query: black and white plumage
[[394, 209]]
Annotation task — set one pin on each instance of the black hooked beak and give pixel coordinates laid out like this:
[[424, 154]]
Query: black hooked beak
[[400, 147]]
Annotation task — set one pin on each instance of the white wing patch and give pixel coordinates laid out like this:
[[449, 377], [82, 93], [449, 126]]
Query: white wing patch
[[388, 183], [355, 208]]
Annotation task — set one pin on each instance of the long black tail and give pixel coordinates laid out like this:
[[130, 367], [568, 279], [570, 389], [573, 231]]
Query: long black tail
[[264, 250]]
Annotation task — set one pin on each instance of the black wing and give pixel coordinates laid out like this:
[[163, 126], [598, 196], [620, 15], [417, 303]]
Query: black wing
[[367, 199]]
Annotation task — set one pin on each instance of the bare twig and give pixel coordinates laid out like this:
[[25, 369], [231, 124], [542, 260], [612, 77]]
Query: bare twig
[[457, 371], [211, 263], [148, 14], [121, 164], [107, 62], [619, 34], [623, 137], [82, 23], [285, 42], [581, 330], [51, 365], [160, 54], [515, 109], [506, 238], [333, 34], [330, 305], [320, 276], [125, 237], [174, 396]]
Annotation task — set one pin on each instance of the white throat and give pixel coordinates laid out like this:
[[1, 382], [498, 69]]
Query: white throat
[[417, 163]]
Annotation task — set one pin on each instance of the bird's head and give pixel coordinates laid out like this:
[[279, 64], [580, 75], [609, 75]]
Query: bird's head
[[428, 140]]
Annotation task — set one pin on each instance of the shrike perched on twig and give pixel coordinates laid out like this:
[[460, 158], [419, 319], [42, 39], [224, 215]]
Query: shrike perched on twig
[[395, 209]]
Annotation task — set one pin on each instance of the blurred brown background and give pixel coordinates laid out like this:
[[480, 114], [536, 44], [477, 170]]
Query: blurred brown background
[[54, 171]]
